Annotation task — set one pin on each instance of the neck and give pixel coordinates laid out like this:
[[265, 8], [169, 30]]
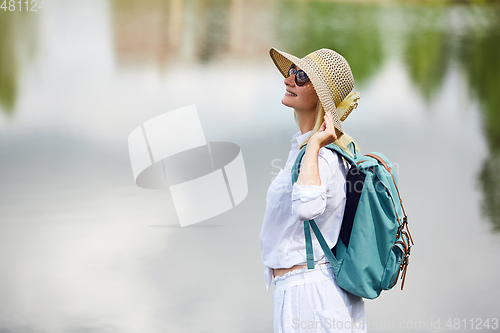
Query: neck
[[305, 119]]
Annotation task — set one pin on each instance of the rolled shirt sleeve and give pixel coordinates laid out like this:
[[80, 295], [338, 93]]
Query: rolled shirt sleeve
[[309, 201]]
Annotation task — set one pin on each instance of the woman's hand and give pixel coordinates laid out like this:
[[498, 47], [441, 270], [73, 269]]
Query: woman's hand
[[326, 133]]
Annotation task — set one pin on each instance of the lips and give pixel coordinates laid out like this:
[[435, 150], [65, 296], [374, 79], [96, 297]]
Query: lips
[[291, 94]]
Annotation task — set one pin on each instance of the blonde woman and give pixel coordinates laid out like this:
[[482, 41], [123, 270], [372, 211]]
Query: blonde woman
[[318, 89]]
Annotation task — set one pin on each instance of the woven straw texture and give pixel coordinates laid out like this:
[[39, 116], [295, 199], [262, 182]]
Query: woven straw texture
[[330, 75]]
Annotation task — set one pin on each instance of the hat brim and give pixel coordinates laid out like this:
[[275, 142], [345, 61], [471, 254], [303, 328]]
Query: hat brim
[[284, 60]]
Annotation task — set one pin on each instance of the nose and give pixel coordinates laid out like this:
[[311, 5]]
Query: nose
[[290, 81]]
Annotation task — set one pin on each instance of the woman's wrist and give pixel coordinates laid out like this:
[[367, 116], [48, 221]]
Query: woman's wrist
[[313, 145]]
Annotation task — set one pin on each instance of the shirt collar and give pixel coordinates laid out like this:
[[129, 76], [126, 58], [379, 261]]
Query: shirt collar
[[298, 138]]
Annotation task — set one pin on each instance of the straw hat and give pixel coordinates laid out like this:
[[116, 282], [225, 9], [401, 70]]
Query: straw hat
[[331, 77]]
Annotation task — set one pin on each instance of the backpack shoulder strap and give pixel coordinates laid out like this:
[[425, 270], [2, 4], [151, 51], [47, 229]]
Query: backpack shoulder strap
[[331, 146], [311, 223]]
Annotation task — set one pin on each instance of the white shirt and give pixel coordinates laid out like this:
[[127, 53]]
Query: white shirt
[[282, 238]]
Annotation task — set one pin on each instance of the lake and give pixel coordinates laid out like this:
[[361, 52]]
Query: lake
[[84, 249]]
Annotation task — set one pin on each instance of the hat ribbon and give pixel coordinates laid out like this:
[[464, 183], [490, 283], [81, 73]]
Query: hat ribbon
[[347, 105]]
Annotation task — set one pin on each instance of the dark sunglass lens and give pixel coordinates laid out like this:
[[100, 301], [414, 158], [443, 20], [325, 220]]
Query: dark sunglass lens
[[301, 77]]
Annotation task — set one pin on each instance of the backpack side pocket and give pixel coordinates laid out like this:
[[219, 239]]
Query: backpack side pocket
[[391, 270]]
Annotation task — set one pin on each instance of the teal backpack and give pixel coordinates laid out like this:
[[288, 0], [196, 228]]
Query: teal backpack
[[374, 242]]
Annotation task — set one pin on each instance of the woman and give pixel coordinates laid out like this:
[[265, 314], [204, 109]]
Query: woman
[[318, 88]]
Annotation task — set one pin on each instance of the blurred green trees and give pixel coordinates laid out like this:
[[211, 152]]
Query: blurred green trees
[[480, 57], [350, 29], [8, 65]]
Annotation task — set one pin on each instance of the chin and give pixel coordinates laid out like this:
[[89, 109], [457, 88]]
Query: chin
[[285, 102]]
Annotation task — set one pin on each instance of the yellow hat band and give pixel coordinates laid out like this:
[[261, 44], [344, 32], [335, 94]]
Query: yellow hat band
[[326, 73]]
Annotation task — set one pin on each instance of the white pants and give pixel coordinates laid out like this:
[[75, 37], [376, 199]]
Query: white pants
[[309, 300]]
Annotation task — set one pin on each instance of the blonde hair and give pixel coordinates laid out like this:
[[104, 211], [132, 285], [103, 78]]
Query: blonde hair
[[343, 139]]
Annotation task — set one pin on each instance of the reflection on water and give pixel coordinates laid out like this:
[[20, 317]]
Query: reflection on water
[[147, 31], [189, 30], [80, 241]]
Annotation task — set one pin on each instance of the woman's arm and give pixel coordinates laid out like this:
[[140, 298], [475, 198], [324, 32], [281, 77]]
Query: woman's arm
[[309, 201], [309, 193], [309, 170]]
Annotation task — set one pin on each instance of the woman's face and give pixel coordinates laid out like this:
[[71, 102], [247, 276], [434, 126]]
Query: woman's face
[[300, 98]]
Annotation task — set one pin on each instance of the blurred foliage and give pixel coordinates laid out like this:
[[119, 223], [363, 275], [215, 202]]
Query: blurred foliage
[[489, 181], [350, 29], [8, 65], [427, 50], [18, 45], [429, 45], [479, 54]]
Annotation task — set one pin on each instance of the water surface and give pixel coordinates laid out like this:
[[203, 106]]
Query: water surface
[[83, 249]]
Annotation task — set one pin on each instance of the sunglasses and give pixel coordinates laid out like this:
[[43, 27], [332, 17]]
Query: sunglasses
[[300, 76]]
